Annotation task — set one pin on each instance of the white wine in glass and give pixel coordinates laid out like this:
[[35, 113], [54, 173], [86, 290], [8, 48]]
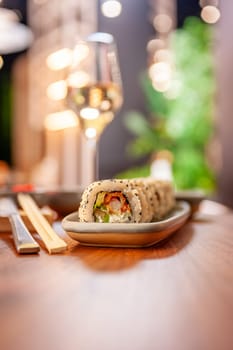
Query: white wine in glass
[[94, 93]]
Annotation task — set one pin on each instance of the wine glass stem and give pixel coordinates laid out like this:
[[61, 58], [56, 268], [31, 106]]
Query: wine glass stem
[[89, 161]]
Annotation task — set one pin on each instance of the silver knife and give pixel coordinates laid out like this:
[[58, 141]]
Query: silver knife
[[24, 242]]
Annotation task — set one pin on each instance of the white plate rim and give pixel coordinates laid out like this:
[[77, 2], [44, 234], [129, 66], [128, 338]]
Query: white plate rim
[[181, 212]]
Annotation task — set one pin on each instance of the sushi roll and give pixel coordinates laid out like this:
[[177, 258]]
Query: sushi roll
[[124, 201], [146, 198], [163, 197], [159, 194], [113, 201]]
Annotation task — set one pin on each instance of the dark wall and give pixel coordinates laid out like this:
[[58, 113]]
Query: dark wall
[[224, 48], [131, 31]]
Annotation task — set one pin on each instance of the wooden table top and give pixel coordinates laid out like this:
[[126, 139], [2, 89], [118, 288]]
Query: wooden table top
[[178, 295]]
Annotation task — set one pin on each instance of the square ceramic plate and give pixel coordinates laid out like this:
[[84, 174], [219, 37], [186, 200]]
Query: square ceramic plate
[[193, 197], [126, 235]]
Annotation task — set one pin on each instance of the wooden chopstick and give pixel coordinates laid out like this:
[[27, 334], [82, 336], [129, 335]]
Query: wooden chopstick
[[52, 241]]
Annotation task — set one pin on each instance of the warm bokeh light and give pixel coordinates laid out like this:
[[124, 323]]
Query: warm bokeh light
[[57, 90], [91, 133], [162, 23], [111, 8], [160, 71], [1, 62], [105, 105], [160, 74], [61, 120], [89, 113], [204, 3], [210, 14], [59, 59], [163, 55], [155, 44], [161, 86], [96, 96], [78, 79], [81, 51]]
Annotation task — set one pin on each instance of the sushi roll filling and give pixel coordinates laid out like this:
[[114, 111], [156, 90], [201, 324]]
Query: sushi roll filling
[[112, 207]]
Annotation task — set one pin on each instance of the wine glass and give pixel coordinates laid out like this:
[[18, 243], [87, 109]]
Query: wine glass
[[95, 94]]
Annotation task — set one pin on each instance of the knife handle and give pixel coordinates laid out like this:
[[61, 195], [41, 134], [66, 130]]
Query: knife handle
[[24, 242]]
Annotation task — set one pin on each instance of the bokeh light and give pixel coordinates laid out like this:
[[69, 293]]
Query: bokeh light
[[81, 52], [61, 120], [1, 62], [57, 91], [162, 23], [78, 79], [89, 113], [59, 59], [91, 133], [155, 44], [210, 14], [111, 8]]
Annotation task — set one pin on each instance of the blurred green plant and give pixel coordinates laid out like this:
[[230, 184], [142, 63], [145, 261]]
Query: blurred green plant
[[182, 122]]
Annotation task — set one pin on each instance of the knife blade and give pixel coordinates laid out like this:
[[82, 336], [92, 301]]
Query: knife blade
[[24, 242]]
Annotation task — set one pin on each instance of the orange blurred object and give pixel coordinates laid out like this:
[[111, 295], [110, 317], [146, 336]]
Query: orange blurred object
[[4, 173], [23, 188]]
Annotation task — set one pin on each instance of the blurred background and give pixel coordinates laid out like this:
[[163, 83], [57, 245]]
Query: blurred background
[[177, 78]]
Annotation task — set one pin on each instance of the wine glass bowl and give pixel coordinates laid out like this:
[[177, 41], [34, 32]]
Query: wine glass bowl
[[94, 93], [94, 83]]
